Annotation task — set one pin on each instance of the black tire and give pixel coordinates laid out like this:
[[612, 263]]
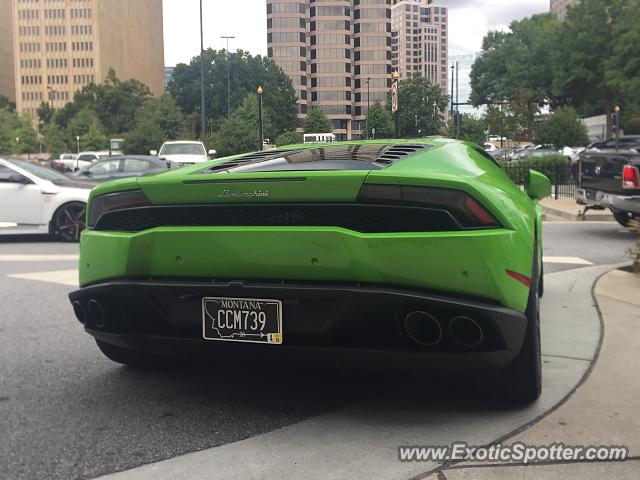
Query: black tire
[[622, 217], [521, 380], [131, 358], [68, 221]]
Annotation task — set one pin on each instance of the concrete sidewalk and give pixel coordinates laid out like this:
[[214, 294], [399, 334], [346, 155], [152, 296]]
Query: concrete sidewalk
[[568, 209], [602, 411]]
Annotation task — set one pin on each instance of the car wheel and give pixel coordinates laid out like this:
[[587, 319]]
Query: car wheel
[[131, 358], [521, 380], [68, 221], [622, 217]]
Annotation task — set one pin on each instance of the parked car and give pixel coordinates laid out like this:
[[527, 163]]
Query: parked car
[[532, 153], [36, 199], [184, 152], [122, 166], [611, 180], [393, 249], [64, 162], [71, 163]]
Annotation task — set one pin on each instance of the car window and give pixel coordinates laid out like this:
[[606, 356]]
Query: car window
[[135, 165], [183, 149], [5, 173], [39, 171], [87, 157], [105, 167]]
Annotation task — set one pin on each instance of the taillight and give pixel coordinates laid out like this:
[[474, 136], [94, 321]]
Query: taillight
[[115, 201], [466, 210], [630, 177]]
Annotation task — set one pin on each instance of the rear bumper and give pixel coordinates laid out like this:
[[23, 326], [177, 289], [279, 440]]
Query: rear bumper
[[343, 323], [626, 203]]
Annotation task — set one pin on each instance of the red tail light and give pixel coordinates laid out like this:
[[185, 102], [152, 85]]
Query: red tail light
[[630, 177]]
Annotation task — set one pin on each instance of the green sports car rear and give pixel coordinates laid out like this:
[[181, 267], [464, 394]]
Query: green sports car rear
[[421, 254]]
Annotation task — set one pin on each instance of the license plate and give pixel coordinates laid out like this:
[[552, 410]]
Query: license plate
[[254, 320]]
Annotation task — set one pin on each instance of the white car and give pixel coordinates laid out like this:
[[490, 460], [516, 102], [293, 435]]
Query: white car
[[35, 199], [184, 152]]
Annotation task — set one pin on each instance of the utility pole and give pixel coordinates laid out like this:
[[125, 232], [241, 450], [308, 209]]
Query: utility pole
[[261, 127], [203, 127], [368, 106], [395, 101], [617, 124], [452, 78], [228, 75], [458, 118]]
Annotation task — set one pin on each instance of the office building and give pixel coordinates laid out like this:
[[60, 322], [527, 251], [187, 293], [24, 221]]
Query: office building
[[420, 40], [337, 54], [52, 48], [560, 7]]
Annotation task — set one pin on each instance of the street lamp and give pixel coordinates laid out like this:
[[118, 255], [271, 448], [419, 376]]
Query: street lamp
[[261, 125], [617, 118], [78, 143], [228, 75]]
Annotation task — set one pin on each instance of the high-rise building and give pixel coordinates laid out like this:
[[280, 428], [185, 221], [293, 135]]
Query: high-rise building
[[337, 54], [52, 48], [560, 7], [419, 42]]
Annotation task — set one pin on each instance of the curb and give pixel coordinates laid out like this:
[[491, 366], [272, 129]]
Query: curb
[[569, 215]]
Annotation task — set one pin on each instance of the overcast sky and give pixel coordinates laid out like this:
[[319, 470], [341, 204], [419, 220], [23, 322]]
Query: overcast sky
[[246, 20]]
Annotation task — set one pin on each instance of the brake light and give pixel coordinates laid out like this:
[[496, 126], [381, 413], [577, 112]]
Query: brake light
[[630, 177], [466, 210], [116, 201], [526, 281]]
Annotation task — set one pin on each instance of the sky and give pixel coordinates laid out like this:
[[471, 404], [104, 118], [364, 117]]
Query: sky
[[469, 21]]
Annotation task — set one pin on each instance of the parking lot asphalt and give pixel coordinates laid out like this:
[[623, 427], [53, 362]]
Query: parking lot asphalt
[[68, 412]]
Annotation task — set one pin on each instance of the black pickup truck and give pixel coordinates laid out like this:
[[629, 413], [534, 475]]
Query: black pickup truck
[[611, 180]]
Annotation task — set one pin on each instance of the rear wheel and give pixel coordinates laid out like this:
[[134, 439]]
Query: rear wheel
[[521, 381], [69, 221], [622, 217], [131, 358]]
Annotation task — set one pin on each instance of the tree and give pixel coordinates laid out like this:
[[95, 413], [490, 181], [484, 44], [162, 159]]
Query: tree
[[45, 113], [472, 129], [563, 128], [586, 46], [247, 72], [380, 121], [87, 126], [145, 136], [7, 104], [317, 122], [289, 138], [632, 126], [8, 125], [421, 104], [28, 142], [115, 102], [54, 140], [159, 120], [239, 132]]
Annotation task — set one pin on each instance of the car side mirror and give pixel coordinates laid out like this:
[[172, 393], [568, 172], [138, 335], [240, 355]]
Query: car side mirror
[[537, 185], [212, 153], [153, 152]]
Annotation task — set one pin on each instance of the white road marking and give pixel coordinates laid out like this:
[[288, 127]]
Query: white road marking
[[38, 258], [61, 277], [567, 260]]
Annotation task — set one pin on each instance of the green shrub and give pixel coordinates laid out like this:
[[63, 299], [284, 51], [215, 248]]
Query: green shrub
[[632, 126], [554, 165], [289, 138]]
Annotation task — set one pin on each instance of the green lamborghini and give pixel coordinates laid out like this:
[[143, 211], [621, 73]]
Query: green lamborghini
[[418, 254]]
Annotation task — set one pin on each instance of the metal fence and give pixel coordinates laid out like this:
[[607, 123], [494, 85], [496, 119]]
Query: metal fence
[[564, 179]]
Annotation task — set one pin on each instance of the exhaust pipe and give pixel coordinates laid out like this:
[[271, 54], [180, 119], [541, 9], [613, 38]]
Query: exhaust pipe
[[79, 312], [95, 313], [422, 328], [466, 332]]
